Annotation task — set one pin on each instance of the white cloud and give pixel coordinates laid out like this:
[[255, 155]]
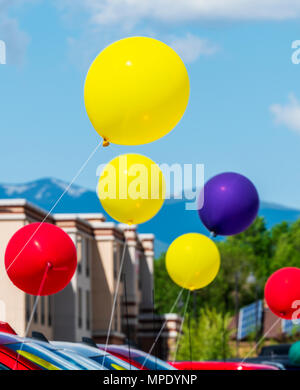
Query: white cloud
[[130, 12], [191, 47], [288, 114], [15, 39], [109, 20]]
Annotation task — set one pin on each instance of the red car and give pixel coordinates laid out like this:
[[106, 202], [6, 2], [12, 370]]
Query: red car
[[8, 358], [221, 366], [136, 358], [17, 353]]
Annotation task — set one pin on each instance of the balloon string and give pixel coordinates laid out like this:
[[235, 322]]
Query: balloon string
[[153, 317], [115, 299], [162, 328], [181, 325], [190, 340], [48, 267], [261, 339], [56, 203], [127, 319]]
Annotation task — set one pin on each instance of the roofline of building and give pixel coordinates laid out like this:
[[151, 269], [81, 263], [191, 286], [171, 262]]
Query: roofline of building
[[146, 236], [87, 219], [106, 225], [92, 216], [124, 226], [22, 202]]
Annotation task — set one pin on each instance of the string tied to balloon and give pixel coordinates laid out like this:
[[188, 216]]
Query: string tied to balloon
[[38, 295], [181, 325], [122, 260], [162, 328]]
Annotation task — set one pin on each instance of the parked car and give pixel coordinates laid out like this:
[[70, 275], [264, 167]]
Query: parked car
[[9, 359], [266, 361], [275, 354], [221, 366], [76, 359], [15, 354], [137, 358], [81, 362], [275, 350], [95, 354], [275, 360]]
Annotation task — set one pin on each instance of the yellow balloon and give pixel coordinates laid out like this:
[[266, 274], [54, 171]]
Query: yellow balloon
[[132, 188], [136, 91], [193, 261]]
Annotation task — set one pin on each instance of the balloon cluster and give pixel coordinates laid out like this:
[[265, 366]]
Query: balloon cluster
[[136, 91]]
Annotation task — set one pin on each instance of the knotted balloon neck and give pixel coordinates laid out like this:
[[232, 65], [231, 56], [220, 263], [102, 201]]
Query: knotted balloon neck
[[213, 234], [105, 143], [49, 265]]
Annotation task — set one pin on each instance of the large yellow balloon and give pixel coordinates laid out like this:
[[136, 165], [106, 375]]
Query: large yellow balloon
[[136, 91], [132, 188], [193, 261]]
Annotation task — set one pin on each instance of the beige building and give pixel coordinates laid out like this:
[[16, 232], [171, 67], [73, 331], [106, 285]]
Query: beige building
[[83, 308]]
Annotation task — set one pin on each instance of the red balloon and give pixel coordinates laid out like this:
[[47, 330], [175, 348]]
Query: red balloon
[[40, 259], [282, 291]]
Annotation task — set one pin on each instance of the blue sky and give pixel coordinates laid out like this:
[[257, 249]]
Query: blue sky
[[244, 109]]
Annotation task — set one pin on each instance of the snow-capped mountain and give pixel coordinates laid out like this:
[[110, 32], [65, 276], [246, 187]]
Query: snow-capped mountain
[[45, 192], [172, 220]]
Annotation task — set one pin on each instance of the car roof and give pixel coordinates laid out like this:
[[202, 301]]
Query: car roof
[[277, 359], [280, 349], [7, 338], [123, 350], [221, 365], [85, 350], [67, 351], [91, 352]]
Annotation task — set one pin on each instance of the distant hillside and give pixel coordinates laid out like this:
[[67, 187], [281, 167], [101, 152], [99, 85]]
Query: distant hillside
[[168, 224]]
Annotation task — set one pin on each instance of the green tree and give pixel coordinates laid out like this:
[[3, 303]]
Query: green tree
[[287, 248], [236, 258], [165, 290], [206, 338], [258, 250], [258, 238]]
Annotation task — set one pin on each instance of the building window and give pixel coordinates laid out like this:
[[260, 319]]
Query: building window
[[88, 314], [28, 307], [35, 316], [42, 310], [79, 308], [87, 258], [115, 265], [49, 311], [116, 315], [79, 253]]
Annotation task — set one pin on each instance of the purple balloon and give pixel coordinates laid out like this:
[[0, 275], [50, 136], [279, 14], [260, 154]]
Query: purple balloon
[[230, 204]]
